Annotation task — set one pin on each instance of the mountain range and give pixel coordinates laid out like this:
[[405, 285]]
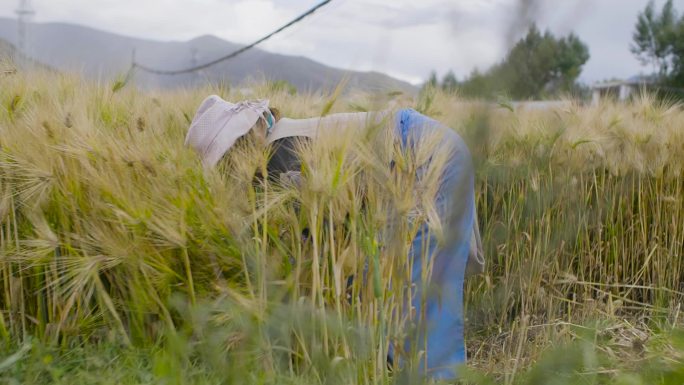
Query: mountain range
[[104, 55]]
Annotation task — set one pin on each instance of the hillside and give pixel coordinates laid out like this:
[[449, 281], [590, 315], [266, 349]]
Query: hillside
[[100, 54], [125, 262]]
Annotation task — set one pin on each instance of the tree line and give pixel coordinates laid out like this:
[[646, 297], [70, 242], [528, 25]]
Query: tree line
[[658, 41], [541, 65]]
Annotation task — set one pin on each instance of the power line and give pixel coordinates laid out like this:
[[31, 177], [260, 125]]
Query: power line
[[232, 54]]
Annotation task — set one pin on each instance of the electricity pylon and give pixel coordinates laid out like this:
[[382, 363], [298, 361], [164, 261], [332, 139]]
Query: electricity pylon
[[24, 14]]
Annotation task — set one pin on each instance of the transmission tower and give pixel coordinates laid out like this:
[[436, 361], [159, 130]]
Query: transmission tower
[[193, 56], [194, 61], [24, 14]]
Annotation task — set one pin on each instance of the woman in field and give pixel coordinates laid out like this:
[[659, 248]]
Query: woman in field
[[219, 124]]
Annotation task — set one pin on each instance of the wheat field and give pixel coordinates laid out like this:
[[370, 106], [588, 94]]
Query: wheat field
[[116, 246]]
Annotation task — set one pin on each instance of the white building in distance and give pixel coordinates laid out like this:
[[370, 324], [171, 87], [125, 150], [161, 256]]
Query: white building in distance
[[620, 90]]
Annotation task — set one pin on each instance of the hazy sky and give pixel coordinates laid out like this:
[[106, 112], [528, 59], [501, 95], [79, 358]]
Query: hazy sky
[[406, 39]]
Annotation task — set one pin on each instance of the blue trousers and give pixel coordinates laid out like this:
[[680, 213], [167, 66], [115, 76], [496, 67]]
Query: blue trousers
[[441, 330]]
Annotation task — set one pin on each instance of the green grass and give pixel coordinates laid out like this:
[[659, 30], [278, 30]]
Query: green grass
[[123, 261]]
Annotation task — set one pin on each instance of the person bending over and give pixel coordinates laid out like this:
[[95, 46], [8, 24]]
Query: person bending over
[[218, 124]]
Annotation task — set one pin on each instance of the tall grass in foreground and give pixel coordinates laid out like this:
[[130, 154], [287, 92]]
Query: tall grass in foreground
[[111, 233]]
